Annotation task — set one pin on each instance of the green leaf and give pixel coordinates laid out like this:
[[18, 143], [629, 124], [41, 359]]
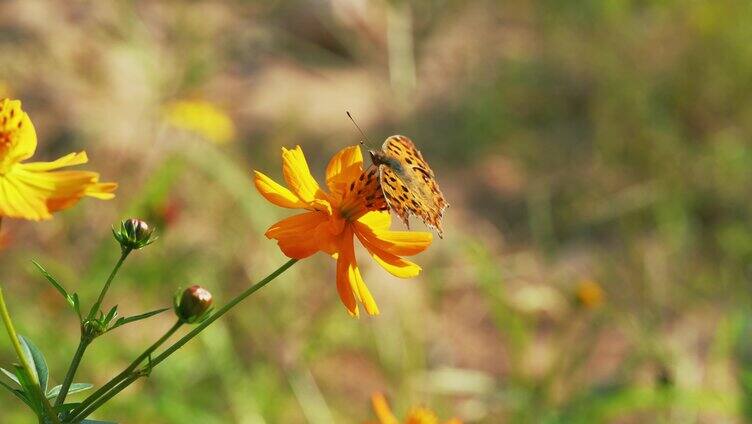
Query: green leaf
[[96, 422], [10, 375], [110, 315], [37, 361], [29, 389], [18, 393], [77, 306], [74, 388], [127, 320], [54, 283]]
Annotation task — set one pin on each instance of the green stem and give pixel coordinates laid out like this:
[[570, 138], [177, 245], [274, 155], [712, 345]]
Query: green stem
[[126, 373], [75, 362], [95, 307], [178, 344], [32, 376], [102, 400], [86, 337]]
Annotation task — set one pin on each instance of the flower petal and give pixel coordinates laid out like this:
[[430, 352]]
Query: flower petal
[[298, 176], [345, 167], [71, 159], [377, 220], [350, 284], [276, 193], [294, 235], [34, 193], [19, 201], [395, 265], [399, 243]]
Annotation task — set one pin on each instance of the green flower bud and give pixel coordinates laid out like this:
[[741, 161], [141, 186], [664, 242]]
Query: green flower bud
[[134, 234], [193, 305]]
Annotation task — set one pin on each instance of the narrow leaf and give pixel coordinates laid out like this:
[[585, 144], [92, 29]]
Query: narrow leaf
[[110, 315], [10, 375], [37, 361], [54, 283], [18, 393], [29, 389], [74, 388], [96, 422], [127, 320], [77, 306]]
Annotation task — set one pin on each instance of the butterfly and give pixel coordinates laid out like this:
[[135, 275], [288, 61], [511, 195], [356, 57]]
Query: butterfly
[[408, 183]]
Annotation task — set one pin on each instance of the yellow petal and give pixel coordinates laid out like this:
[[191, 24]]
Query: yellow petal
[[276, 193], [298, 176], [35, 194], [20, 201], [345, 167], [377, 220], [400, 243], [103, 191], [70, 159], [294, 235]]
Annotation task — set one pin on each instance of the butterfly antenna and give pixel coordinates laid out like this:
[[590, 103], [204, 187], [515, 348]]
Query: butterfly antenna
[[359, 130]]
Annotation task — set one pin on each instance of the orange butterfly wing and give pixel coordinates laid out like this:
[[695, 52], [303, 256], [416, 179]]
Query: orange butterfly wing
[[409, 184]]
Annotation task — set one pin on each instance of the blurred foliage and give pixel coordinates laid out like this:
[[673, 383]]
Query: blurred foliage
[[601, 141]]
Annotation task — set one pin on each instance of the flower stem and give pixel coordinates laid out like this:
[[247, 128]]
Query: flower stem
[[93, 403], [86, 336], [75, 362], [25, 363], [126, 373], [95, 307]]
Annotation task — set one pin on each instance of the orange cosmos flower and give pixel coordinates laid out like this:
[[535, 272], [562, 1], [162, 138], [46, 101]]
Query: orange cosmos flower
[[416, 415], [31, 190], [353, 207]]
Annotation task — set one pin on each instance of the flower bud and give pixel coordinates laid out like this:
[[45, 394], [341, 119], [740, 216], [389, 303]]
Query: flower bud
[[133, 234], [193, 304]]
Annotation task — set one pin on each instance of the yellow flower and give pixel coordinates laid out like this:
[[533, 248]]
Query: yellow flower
[[353, 207], [203, 118], [31, 190], [416, 415]]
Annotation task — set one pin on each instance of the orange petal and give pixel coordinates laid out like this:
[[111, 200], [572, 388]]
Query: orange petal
[[298, 176], [345, 167], [350, 284], [294, 235], [382, 409], [344, 288], [395, 265], [275, 192], [399, 243]]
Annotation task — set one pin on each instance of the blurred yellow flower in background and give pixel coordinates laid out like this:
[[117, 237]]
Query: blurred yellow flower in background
[[30, 190], [203, 118], [589, 294], [416, 415], [353, 207]]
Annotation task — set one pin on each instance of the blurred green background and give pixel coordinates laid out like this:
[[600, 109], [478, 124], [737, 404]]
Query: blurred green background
[[596, 155]]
